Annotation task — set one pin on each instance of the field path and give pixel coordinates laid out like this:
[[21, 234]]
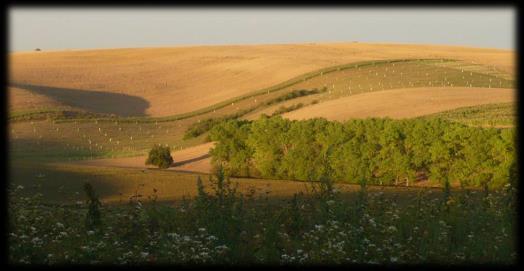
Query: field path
[[403, 103], [193, 159]]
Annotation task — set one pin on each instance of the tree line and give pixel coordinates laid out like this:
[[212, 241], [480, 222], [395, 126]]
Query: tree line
[[373, 151]]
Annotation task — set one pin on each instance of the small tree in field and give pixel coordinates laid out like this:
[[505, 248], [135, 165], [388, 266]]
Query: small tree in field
[[160, 156]]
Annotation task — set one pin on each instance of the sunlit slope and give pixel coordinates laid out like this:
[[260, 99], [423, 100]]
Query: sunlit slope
[[401, 74], [168, 81], [403, 103], [118, 137]]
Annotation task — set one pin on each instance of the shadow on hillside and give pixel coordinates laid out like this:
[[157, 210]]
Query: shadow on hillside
[[93, 101], [176, 164]]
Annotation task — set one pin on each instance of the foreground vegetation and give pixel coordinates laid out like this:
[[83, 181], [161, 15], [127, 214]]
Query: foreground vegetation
[[377, 151], [222, 226]]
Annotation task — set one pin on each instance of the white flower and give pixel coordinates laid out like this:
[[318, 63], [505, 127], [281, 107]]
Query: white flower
[[59, 225], [393, 259], [144, 254], [20, 187], [90, 232]]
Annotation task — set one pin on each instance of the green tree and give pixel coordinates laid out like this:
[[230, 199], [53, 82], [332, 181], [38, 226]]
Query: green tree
[[160, 156], [231, 150]]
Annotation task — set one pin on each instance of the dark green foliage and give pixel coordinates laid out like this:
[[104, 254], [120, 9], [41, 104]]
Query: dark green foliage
[[284, 109], [375, 151], [200, 127], [295, 94], [160, 156], [233, 153], [93, 218]]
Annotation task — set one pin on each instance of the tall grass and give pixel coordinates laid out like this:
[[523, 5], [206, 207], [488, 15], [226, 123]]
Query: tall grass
[[223, 226]]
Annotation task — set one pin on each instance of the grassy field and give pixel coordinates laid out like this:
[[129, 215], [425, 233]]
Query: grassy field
[[497, 115]]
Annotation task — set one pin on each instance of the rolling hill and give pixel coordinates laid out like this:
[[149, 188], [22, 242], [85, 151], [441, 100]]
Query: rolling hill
[[155, 81]]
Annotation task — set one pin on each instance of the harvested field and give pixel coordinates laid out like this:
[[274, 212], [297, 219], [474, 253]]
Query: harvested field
[[403, 103], [205, 75], [21, 99]]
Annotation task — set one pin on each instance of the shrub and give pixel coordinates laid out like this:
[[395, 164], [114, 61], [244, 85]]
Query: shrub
[[93, 219], [160, 156]]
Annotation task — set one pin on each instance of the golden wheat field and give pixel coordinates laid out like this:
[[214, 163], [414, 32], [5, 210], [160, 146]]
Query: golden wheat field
[[167, 81], [403, 103]]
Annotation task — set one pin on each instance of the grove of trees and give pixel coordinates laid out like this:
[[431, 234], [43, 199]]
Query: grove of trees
[[374, 151]]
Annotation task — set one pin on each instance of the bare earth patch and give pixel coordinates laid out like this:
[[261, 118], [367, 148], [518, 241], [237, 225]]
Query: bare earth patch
[[403, 103]]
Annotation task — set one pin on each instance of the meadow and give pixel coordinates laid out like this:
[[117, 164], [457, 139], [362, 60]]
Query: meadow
[[221, 225]]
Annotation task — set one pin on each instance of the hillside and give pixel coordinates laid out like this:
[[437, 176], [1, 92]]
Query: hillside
[[154, 81], [403, 103]]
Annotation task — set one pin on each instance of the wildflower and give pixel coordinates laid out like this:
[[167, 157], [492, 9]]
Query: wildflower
[[392, 229], [59, 225], [202, 229], [20, 187], [144, 254], [393, 259], [90, 232]]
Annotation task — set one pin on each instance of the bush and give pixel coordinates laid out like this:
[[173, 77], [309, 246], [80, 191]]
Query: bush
[[160, 156]]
